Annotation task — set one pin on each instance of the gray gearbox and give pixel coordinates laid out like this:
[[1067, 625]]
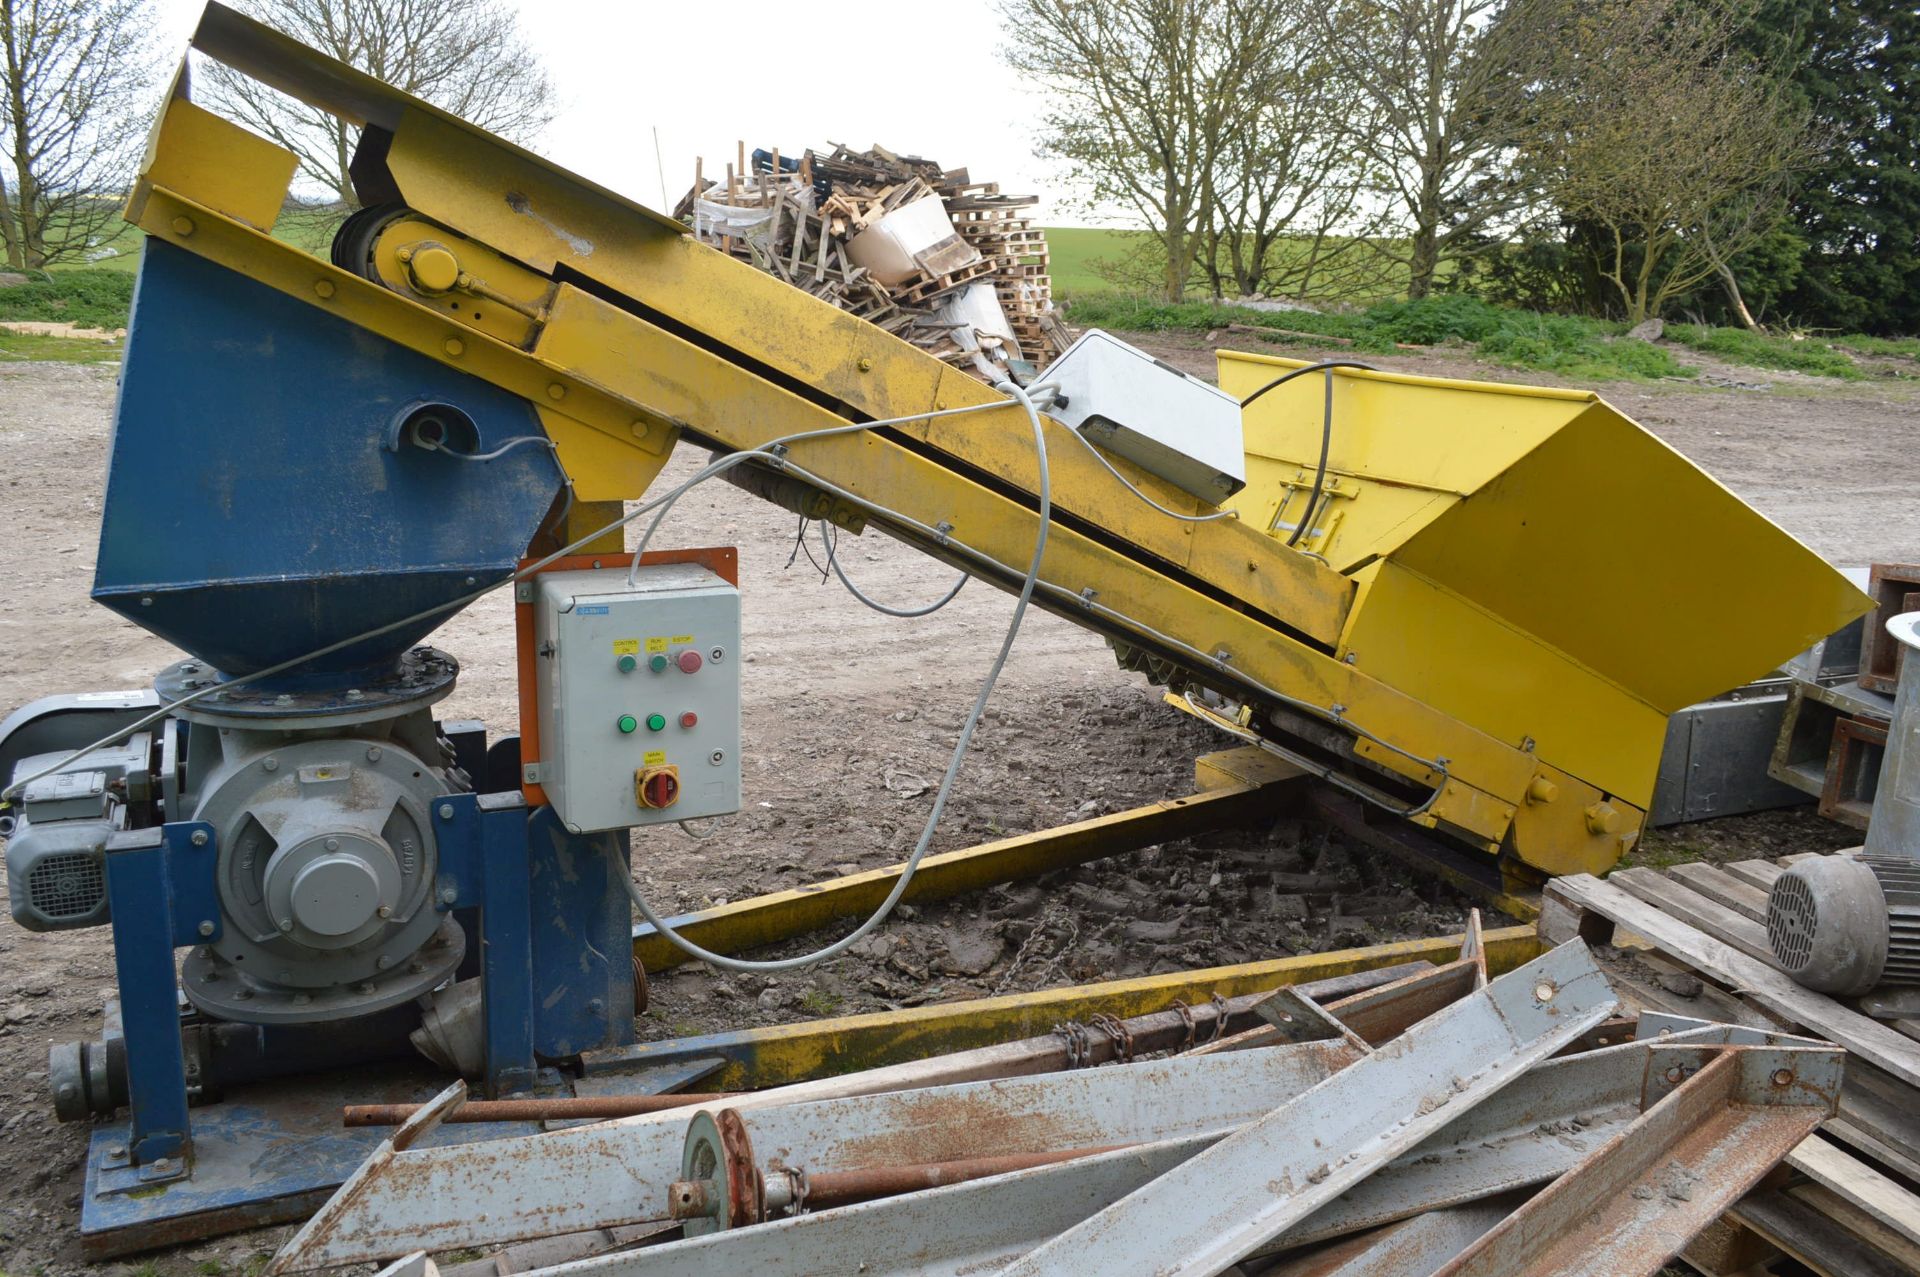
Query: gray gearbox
[[326, 872]]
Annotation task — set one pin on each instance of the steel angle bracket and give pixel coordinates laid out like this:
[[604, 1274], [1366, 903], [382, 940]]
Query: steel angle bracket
[[1719, 1119], [1533, 1131], [1411, 1248], [1224, 1203]]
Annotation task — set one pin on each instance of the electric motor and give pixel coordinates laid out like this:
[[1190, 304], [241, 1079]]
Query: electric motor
[[1846, 925]]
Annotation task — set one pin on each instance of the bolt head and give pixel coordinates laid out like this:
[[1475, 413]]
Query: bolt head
[[385, 911], [285, 924], [383, 962], [199, 838], [270, 764], [206, 927], [446, 811], [118, 1151], [448, 896], [373, 754]]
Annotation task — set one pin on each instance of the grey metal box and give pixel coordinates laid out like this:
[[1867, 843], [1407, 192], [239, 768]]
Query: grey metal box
[[611, 713], [1168, 423]]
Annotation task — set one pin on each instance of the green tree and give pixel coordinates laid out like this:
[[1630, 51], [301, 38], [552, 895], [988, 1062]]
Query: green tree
[[1147, 100], [1856, 67], [1650, 123]]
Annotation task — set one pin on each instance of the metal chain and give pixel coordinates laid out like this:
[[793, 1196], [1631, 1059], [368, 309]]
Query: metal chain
[[1219, 1018], [1079, 1045], [1185, 1012], [1119, 1034]]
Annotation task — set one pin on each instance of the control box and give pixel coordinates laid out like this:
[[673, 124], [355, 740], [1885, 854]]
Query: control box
[[638, 691], [1144, 409]]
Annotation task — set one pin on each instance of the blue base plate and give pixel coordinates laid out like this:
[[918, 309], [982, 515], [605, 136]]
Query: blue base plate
[[269, 1153]]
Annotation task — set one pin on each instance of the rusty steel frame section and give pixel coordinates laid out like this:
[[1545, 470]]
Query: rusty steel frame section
[[1542, 1126], [1728, 1115], [1237, 1196], [512, 1189]]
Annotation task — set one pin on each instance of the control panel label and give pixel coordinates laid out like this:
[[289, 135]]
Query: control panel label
[[654, 758], [656, 645], [681, 640], [626, 647]]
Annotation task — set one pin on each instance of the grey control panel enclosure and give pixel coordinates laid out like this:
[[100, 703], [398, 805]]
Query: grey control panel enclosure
[[611, 713], [1144, 409]]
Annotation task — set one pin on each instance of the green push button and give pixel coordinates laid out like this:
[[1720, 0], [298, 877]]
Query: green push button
[[628, 664], [627, 723], [657, 662], [656, 722]]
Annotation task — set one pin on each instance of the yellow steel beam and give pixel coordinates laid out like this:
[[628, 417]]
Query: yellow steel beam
[[763, 920], [846, 1044]]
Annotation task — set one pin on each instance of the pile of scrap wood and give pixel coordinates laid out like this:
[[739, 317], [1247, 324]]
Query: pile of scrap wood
[[950, 265]]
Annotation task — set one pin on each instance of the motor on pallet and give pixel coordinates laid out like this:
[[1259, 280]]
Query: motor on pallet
[[1850, 925]]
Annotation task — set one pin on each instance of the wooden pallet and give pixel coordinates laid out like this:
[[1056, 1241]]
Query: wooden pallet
[[1851, 1206]]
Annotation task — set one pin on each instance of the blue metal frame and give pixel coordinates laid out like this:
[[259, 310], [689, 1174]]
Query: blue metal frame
[[556, 957], [555, 937], [161, 891]]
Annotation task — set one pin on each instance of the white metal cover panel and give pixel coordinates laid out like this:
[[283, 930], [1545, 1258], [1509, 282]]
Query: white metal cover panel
[[1164, 421], [634, 680]]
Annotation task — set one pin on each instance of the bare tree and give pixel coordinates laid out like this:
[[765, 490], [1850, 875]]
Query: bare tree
[[464, 56], [1288, 194], [76, 80], [1440, 99], [1146, 96], [1653, 125]]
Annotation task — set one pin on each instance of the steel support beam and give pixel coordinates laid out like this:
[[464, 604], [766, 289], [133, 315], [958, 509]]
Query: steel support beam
[[788, 1053], [1252, 1186], [1731, 1116], [509, 1190]]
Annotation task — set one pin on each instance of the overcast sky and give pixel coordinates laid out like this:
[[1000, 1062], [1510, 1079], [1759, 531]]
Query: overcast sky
[[917, 76]]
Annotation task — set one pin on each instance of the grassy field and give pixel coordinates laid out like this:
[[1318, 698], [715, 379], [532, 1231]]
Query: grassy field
[[1577, 348], [1580, 349]]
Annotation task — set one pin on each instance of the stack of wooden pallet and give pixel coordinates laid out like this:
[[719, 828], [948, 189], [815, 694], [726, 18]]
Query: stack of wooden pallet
[[1001, 228], [796, 221], [1693, 942]]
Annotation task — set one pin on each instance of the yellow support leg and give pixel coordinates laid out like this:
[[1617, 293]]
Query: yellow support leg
[[785, 1053]]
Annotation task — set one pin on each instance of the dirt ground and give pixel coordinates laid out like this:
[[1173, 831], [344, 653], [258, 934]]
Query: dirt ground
[[848, 720]]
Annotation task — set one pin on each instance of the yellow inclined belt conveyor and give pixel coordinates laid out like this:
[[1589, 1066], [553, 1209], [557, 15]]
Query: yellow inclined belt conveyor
[[1501, 596]]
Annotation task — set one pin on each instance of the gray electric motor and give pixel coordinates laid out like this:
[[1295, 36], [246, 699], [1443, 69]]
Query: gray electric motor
[[1847, 925]]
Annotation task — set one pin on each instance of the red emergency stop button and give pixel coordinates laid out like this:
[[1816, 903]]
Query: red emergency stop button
[[688, 718], [688, 660]]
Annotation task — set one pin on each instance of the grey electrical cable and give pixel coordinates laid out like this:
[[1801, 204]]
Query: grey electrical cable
[[833, 561], [501, 451], [1099, 456], [1071, 601], [945, 788], [774, 447]]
